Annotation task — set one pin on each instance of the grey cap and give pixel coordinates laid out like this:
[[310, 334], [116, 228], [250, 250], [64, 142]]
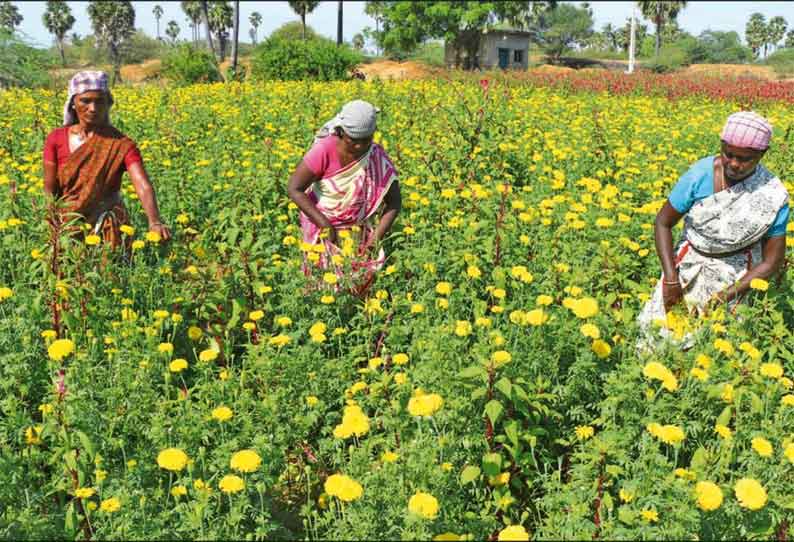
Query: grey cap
[[358, 119]]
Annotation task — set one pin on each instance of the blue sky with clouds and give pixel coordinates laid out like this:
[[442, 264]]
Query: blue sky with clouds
[[695, 18]]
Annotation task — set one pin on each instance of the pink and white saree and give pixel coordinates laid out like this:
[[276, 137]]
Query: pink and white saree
[[350, 198]]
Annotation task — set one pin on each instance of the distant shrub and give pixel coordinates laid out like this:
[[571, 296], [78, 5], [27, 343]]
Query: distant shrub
[[316, 59], [22, 65], [185, 65], [293, 31], [782, 61], [715, 47]]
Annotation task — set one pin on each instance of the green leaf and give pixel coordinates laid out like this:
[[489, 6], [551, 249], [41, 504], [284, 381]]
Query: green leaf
[[478, 394], [492, 464], [699, 460], [756, 403], [474, 371], [70, 459], [493, 409], [87, 445], [725, 417], [469, 474], [511, 430], [504, 386]]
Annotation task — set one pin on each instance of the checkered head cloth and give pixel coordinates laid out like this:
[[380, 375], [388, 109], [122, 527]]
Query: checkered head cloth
[[748, 130], [83, 82]]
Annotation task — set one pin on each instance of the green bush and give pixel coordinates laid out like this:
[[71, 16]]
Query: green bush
[[185, 65], [141, 47], [293, 31], [782, 62], [316, 59], [714, 47], [22, 65]]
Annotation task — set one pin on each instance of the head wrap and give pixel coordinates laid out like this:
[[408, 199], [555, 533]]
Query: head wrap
[[84, 82], [748, 130], [357, 119]]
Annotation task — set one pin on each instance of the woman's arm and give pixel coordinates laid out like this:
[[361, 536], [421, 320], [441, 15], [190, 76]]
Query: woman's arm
[[666, 219], [392, 203], [145, 191], [51, 187], [774, 254], [300, 180]]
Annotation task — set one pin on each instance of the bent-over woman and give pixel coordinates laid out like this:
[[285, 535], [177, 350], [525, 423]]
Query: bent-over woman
[[735, 214], [340, 185]]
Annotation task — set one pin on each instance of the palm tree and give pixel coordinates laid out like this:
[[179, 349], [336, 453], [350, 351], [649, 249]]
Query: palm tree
[[255, 19], [172, 31], [206, 15], [220, 20], [158, 12], [660, 13], [59, 20], [303, 8], [192, 9], [339, 24], [235, 36]]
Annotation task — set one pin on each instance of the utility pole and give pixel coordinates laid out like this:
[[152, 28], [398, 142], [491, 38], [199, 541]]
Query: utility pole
[[632, 39], [339, 25]]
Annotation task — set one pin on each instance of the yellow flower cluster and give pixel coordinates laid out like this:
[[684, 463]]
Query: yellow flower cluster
[[422, 404], [354, 422], [343, 488], [656, 371], [669, 434]]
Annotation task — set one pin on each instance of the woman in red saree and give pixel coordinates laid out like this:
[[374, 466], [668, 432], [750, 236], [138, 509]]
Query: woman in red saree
[[339, 186], [85, 158]]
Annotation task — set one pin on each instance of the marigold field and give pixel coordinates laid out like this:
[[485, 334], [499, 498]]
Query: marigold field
[[487, 387]]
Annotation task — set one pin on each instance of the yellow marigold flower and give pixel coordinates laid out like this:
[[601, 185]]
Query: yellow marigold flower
[[699, 374], [473, 272], [327, 299], [601, 348], [343, 487], [312, 400], [723, 431], [110, 505], [128, 230], [33, 434], [49, 334], [422, 404], [772, 370], [423, 505], [703, 361], [482, 321], [128, 315], [787, 400], [669, 434], [651, 516], [256, 315], [724, 346], [536, 317], [84, 492], [354, 422], [727, 393], [178, 491], [279, 340], [389, 457], [762, 446], [750, 494], [500, 357], [584, 432], [153, 237], [400, 359], [759, 284], [513, 533], [178, 365], [172, 459], [92, 240], [245, 461], [165, 348], [249, 326], [443, 288], [709, 496], [626, 496], [544, 300], [400, 379], [462, 328], [586, 307], [138, 244], [284, 321], [231, 483], [656, 371], [498, 293], [207, 355], [60, 349], [417, 308], [330, 278], [590, 331], [194, 333], [222, 413]]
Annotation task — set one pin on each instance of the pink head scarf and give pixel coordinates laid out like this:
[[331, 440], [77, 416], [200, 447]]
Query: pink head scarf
[[748, 130], [84, 82]]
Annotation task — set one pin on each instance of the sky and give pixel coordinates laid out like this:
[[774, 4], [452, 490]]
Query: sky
[[695, 18]]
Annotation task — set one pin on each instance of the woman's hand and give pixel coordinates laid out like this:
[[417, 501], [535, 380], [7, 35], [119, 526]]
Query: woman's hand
[[672, 293], [161, 229]]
